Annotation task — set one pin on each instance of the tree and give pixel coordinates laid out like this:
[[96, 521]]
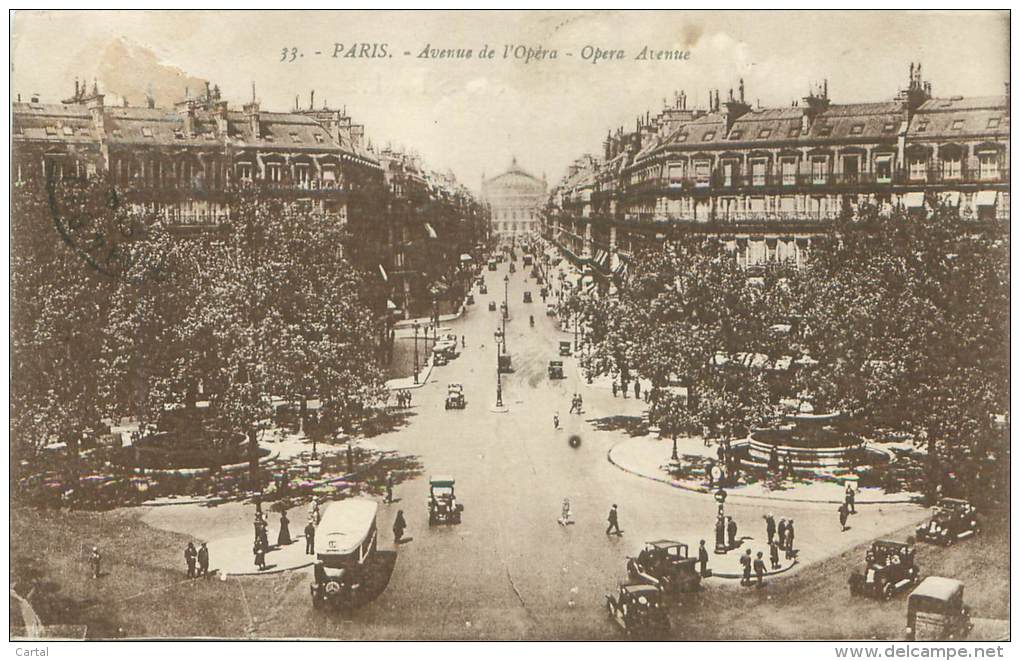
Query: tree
[[908, 318], [59, 303]]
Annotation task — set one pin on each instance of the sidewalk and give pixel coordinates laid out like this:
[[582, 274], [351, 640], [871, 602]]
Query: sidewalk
[[407, 382], [650, 457]]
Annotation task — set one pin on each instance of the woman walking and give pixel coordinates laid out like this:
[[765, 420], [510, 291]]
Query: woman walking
[[283, 538]]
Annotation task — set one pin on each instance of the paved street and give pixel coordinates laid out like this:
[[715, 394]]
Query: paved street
[[509, 571]]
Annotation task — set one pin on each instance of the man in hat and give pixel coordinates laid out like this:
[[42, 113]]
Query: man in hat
[[95, 561], [310, 538], [203, 560], [731, 532], [759, 570], [614, 525], [190, 556], [703, 558], [770, 527], [745, 564]]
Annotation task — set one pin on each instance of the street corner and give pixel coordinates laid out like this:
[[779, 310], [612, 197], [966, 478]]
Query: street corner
[[233, 556], [727, 567]]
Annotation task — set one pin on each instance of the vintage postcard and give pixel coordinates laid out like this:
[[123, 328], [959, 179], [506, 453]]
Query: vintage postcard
[[510, 326]]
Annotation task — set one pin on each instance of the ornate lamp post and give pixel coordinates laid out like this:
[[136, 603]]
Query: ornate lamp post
[[415, 352], [499, 379], [720, 537], [506, 295]]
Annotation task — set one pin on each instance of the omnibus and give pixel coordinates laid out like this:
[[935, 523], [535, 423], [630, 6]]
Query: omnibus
[[347, 536]]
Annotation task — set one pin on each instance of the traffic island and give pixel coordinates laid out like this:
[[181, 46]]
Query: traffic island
[[233, 556]]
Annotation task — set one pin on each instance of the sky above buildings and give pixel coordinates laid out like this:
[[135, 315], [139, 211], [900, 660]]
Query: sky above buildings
[[472, 115]]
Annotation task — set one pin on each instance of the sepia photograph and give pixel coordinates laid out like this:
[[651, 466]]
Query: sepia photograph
[[519, 325]]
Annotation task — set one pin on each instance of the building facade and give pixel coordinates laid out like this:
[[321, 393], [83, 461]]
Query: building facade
[[185, 163], [516, 199], [768, 180]]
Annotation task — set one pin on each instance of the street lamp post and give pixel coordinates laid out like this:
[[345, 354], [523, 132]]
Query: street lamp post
[[499, 379], [576, 345], [416, 353], [720, 537], [506, 295]]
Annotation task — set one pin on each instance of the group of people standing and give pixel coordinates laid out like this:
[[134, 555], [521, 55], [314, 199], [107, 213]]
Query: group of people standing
[[622, 389], [199, 557], [576, 403], [785, 469], [848, 507], [403, 399], [261, 546]]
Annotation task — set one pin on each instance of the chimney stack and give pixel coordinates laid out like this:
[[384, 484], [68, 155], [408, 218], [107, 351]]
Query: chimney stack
[[251, 114]]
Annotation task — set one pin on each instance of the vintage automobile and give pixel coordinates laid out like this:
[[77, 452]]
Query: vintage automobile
[[550, 309], [952, 519], [640, 610], [539, 280], [455, 396], [889, 568], [443, 505], [439, 359], [666, 564], [935, 610], [504, 364], [565, 349], [482, 289], [492, 306], [470, 299], [556, 369], [492, 264], [345, 543], [527, 297], [528, 260], [513, 267]]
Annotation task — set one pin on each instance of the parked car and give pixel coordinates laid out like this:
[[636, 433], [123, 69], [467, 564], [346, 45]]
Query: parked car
[[527, 297], [482, 289], [492, 264], [556, 369], [935, 610], [640, 610], [492, 306], [455, 396], [565, 349], [528, 260], [550, 309], [443, 505], [889, 568], [470, 299], [666, 564], [953, 519]]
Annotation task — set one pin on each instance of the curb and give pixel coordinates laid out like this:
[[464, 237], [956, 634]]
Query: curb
[[731, 495], [267, 572], [422, 381], [777, 572]]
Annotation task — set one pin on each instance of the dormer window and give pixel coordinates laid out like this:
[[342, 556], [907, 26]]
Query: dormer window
[[208, 136], [146, 132], [709, 136], [51, 130], [682, 137], [295, 137], [764, 133], [824, 131], [117, 133], [922, 127], [957, 125], [178, 134], [68, 130], [795, 132], [993, 123], [889, 127], [736, 135], [857, 129], [269, 137]]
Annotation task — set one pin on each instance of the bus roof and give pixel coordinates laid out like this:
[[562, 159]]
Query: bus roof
[[937, 588], [346, 524]]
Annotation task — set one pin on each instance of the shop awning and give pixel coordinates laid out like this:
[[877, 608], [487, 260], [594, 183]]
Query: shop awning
[[431, 232], [913, 200], [986, 198], [465, 257]]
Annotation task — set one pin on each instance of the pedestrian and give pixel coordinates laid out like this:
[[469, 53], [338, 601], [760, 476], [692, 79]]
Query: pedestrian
[[283, 539], [580, 403], [614, 388], [408, 399], [759, 570], [745, 564], [710, 472], [614, 523], [463, 342], [731, 532], [703, 558], [720, 534], [637, 389], [770, 526], [95, 561], [310, 538], [350, 462], [203, 561], [399, 526], [790, 551], [556, 420], [720, 453], [259, 550], [774, 460], [566, 517], [849, 501], [788, 464], [389, 487], [190, 556], [774, 554], [781, 531], [314, 515], [843, 515]]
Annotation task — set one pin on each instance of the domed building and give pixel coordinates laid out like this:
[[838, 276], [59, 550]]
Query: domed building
[[516, 198]]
